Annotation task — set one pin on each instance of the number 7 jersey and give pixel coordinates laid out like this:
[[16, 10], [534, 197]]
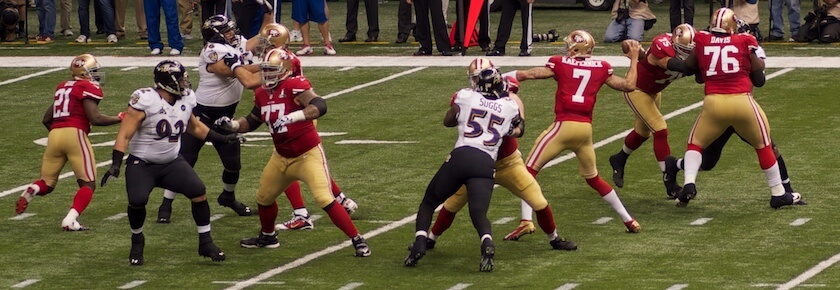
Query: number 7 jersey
[[483, 122], [578, 83]]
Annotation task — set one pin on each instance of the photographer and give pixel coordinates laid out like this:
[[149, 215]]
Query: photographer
[[747, 10], [631, 18], [11, 12], [830, 25]]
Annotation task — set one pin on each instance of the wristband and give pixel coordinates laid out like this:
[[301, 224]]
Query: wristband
[[296, 116], [116, 157]]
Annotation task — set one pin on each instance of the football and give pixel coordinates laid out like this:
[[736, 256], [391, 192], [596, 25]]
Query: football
[[625, 46]]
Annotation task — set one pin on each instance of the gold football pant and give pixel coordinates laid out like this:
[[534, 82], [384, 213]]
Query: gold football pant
[[646, 109], [561, 136], [310, 168], [68, 144], [737, 110]]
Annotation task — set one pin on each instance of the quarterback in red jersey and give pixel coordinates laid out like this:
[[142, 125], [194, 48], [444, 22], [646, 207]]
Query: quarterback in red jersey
[[288, 105], [510, 173], [579, 79], [663, 63], [75, 107], [727, 62]]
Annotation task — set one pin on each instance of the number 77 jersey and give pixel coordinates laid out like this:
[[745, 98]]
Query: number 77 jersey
[[482, 122], [578, 83]]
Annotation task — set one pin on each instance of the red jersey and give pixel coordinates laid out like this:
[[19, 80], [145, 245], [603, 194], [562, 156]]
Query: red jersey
[[293, 139], [578, 82], [68, 104], [724, 61], [297, 70], [651, 78]]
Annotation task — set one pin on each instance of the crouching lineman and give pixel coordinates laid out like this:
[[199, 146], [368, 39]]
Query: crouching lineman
[[510, 173], [288, 105], [157, 117], [68, 118]]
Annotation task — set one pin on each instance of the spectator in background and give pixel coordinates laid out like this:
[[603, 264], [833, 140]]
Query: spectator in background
[[352, 25], [46, 21], [777, 23], [422, 31], [11, 17], [483, 25], [684, 10], [212, 7], [139, 15], [170, 11], [628, 22], [404, 24], [509, 8], [108, 18], [304, 11], [747, 10], [830, 26], [66, 7], [249, 17], [185, 18]]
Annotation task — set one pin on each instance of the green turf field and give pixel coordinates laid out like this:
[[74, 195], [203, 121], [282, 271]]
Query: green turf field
[[744, 245]]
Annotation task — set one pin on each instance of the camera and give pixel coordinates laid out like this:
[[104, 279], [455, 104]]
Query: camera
[[551, 36], [622, 14]]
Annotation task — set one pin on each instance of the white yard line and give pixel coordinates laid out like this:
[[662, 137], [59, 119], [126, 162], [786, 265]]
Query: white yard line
[[602, 221], [700, 221], [351, 286], [25, 283], [216, 217], [677, 287], [799, 222], [504, 220], [116, 216], [459, 286], [376, 82], [129, 68], [132, 284], [810, 273], [21, 216], [567, 286], [29, 76]]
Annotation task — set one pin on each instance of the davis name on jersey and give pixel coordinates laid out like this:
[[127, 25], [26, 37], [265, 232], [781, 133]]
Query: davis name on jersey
[[68, 103], [483, 122], [215, 90], [578, 82], [294, 139], [724, 61], [651, 78], [158, 140]]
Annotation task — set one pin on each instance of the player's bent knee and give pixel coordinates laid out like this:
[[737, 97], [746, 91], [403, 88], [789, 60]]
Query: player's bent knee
[[200, 198], [324, 200], [90, 184], [265, 199]]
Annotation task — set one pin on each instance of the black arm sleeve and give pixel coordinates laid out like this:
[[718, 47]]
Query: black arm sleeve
[[758, 78], [253, 124], [676, 64], [319, 103]]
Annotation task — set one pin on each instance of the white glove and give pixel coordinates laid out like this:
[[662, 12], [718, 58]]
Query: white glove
[[759, 52], [227, 124], [281, 122]]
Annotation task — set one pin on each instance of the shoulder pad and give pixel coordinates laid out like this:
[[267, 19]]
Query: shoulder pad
[[142, 99]]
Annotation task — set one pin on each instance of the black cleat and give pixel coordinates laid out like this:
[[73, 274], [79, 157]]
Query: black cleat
[[418, 250], [430, 244], [562, 244], [789, 198], [261, 241], [685, 195], [211, 251], [361, 246], [164, 214], [488, 250], [669, 177], [135, 256], [617, 163], [231, 202]]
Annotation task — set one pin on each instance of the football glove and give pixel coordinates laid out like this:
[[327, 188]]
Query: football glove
[[281, 122], [234, 138], [112, 173], [227, 124]]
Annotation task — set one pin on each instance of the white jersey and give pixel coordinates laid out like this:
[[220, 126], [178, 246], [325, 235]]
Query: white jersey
[[215, 90], [483, 122], [158, 140]]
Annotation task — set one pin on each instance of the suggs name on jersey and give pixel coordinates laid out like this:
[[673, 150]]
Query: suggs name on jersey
[[491, 105]]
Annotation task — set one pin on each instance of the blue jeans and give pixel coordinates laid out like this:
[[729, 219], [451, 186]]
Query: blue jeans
[[635, 30], [107, 11], [170, 11], [778, 26], [46, 17]]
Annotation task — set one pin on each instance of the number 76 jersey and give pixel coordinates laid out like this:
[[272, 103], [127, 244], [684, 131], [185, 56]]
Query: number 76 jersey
[[482, 122], [578, 83]]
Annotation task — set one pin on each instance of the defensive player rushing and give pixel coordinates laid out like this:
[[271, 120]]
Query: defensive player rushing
[[663, 63], [288, 106], [218, 94], [578, 81], [154, 122], [74, 108], [483, 114], [510, 173], [730, 68]]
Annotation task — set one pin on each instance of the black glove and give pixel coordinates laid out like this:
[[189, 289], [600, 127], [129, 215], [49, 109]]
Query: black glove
[[231, 60], [114, 171], [234, 138]]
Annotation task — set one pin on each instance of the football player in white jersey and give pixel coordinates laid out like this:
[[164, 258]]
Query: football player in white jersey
[[483, 116], [152, 127], [218, 93]]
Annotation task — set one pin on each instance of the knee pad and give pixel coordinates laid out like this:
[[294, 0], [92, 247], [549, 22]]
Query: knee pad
[[82, 183]]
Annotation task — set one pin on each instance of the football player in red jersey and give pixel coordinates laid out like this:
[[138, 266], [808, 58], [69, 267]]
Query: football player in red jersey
[[510, 173], [663, 63], [578, 81], [288, 106], [726, 61], [68, 118]]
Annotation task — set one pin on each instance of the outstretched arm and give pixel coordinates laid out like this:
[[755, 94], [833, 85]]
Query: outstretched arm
[[96, 117], [534, 73]]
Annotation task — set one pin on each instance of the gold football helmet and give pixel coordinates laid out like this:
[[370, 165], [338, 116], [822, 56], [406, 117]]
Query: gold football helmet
[[579, 43], [272, 36], [276, 67], [85, 66], [724, 20], [683, 39], [476, 66]]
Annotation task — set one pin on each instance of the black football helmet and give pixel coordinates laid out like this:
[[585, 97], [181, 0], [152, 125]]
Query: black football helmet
[[220, 29], [489, 83], [172, 76]]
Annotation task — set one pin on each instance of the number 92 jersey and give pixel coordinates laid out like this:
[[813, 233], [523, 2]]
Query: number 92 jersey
[[724, 61], [483, 122], [158, 140], [578, 83]]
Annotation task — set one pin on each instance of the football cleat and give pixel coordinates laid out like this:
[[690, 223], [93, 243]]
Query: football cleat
[[164, 214], [488, 250], [418, 250], [135, 256], [525, 227], [261, 241], [72, 226], [800, 201], [617, 163], [633, 226], [210, 250], [559, 243], [227, 201], [298, 222], [789, 198], [688, 192], [349, 205], [670, 177], [361, 246], [25, 198], [430, 244]]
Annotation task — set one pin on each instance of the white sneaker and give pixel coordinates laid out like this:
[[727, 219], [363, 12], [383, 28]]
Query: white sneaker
[[72, 226], [155, 51], [187, 36], [296, 36], [82, 39], [329, 50], [174, 52], [306, 50], [67, 32], [112, 38]]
